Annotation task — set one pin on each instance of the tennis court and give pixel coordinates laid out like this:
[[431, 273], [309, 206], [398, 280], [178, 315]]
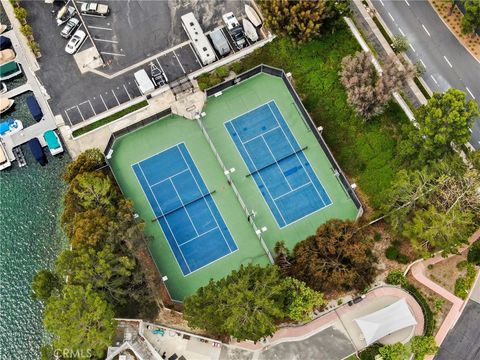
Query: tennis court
[[278, 164], [184, 208]]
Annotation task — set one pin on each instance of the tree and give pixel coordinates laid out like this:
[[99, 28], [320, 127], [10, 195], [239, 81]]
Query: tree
[[396, 351], [80, 320], [94, 190], [474, 253], [44, 283], [443, 121], [87, 161], [471, 19], [299, 19], [106, 271], [422, 346], [400, 43], [367, 91], [89, 228], [337, 257], [301, 300], [248, 303]]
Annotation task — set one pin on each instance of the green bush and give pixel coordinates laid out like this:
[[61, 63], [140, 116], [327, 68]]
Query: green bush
[[370, 352], [462, 265], [403, 259], [110, 118], [427, 312], [26, 30], [377, 237], [20, 14], [464, 283], [474, 253], [392, 253], [400, 43], [396, 277]]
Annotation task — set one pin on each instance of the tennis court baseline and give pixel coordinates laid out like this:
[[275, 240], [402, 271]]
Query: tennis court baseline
[[184, 208], [278, 164]]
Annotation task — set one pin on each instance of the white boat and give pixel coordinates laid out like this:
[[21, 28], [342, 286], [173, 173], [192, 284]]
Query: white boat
[[4, 160], [53, 142], [253, 16], [10, 126], [250, 30], [3, 88], [5, 104]]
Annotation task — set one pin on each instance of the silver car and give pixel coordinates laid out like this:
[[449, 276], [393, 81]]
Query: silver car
[[70, 28]]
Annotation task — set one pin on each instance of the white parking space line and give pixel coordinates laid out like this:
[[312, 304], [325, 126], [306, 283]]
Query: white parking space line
[[382, 2], [80, 113], [424, 28], [179, 63], [411, 46], [401, 31], [425, 66], [99, 28], [473, 97], [68, 117], [448, 62], [105, 40], [127, 92], [92, 107], [159, 65], [109, 53], [407, 3], [434, 80], [103, 101], [391, 17], [115, 96]]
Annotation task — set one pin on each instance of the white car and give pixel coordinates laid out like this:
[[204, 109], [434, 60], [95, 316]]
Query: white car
[[75, 42]]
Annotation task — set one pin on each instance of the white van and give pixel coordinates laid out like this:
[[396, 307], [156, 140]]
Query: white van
[[144, 82]]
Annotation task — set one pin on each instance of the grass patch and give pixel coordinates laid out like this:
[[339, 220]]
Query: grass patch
[[422, 88], [365, 150], [465, 283], [383, 31], [110, 118]]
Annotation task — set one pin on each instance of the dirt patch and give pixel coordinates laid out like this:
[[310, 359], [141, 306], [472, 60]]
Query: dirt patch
[[439, 306], [453, 19], [174, 319], [446, 272]]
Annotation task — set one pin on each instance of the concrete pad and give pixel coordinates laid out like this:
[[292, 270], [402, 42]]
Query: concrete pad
[[88, 59], [475, 296]]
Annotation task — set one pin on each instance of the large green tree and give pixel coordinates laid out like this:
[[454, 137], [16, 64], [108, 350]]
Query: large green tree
[[396, 351], [471, 19], [89, 160], [45, 283], [248, 303], [337, 257], [422, 346], [81, 320], [443, 121]]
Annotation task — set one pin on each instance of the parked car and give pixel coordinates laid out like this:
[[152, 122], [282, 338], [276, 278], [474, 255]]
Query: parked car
[[234, 29], [70, 28], [75, 42], [65, 14], [94, 9]]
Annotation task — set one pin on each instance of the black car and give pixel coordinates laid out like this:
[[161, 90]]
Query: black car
[[70, 28]]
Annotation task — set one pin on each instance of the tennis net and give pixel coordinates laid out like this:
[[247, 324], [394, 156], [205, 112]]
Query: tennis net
[[277, 161], [183, 206]]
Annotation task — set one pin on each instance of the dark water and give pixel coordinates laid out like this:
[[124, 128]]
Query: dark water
[[30, 239]]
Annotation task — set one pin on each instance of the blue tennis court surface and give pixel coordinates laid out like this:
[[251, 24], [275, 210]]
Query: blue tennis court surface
[[185, 209], [278, 164]]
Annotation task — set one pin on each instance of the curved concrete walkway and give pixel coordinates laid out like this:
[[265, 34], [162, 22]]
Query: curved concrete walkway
[[334, 317]]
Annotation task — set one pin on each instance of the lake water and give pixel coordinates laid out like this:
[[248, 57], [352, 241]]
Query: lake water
[[30, 239]]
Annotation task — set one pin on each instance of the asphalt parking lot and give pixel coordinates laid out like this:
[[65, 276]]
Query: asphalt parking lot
[[133, 31]]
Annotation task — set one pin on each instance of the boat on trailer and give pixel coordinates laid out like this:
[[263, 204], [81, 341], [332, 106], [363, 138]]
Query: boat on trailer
[[250, 30], [253, 16]]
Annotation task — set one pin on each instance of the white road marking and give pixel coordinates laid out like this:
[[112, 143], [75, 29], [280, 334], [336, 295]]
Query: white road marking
[[109, 41], [411, 46], [382, 2], [401, 31], [425, 66], [100, 28], [434, 79], [448, 62], [127, 92], [179, 63], [407, 3], [424, 28], [106, 108], [115, 96], [473, 97], [109, 53], [391, 17]]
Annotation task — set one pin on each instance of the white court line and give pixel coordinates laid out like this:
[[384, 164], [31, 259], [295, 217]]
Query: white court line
[[179, 63], [127, 92], [98, 27], [411, 46], [168, 178], [109, 41], [391, 17], [425, 66], [276, 162], [115, 96], [401, 31], [184, 207], [113, 54], [448, 62], [407, 3], [382, 2], [434, 79], [106, 108], [261, 135], [473, 97], [424, 28]]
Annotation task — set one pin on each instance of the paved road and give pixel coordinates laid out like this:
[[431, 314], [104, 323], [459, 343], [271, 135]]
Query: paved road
[[447, 62]]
